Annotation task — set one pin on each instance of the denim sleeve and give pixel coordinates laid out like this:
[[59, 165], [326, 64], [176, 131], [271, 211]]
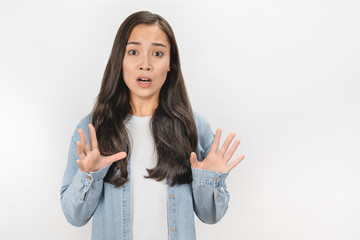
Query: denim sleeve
[[210, 195], [80, 191]]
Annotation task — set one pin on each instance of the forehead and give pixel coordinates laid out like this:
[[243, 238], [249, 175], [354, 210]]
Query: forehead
[[148, 33]]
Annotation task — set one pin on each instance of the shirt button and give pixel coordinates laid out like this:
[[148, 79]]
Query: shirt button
[[217, 179], [172, 196], [173, 229], [89, 178]]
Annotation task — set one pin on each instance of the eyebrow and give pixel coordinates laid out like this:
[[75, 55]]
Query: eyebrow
[[155, 44]]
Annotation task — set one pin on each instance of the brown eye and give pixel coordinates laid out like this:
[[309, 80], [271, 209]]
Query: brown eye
[[133, 52], [158, 54]]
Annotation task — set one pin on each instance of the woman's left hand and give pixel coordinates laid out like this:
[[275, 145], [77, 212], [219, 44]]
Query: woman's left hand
[[218, 161]]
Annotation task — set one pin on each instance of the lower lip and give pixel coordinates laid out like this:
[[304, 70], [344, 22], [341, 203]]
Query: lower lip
[[144, 84]]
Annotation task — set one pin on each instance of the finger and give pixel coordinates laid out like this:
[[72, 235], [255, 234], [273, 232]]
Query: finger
[[93, 140], [235, 163], [215, 144], [80, 150], [113, 158], [83, 141], [226, 144], [233, 148], [193, 159]]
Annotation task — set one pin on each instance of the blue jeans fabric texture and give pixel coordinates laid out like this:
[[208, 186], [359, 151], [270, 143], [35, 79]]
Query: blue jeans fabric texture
[[85, 196]]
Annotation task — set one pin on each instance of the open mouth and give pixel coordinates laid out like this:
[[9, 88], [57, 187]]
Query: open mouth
[[144, 80]]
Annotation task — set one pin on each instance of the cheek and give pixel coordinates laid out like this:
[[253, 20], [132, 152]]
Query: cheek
[[164, 68], [127, 68], [163, 74]]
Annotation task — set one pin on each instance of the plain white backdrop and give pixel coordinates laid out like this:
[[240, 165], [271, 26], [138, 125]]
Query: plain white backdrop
[[284, 75]]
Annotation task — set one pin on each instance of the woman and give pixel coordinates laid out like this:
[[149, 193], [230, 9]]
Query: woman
[[152, 162]]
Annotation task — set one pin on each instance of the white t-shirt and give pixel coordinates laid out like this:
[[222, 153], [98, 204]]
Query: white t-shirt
[[148, 196]]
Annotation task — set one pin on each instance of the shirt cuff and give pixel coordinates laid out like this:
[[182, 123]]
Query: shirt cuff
[[206, 177], [88, 178]]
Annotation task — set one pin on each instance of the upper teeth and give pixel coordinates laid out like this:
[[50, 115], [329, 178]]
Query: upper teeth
[[143, 79]]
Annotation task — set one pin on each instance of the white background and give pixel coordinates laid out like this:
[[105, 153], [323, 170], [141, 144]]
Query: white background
[[284, 75]]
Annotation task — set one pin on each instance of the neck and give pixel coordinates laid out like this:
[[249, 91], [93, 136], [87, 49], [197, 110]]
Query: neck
[[143, 107]]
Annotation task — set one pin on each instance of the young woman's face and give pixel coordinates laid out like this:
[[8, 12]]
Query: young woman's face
[[146, 62]]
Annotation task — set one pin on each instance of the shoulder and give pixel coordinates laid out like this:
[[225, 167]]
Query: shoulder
[[202, 125], [205, 135], [84, 122], [84, 125], [199, 120]]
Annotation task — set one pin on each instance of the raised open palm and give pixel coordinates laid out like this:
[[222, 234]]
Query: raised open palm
[[218, 161], [91, 160]]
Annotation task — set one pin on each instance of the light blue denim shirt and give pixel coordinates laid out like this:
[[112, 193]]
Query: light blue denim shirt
[[86, 195]]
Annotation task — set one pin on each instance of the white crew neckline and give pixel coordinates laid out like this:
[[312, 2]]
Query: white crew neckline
[[141, 117]]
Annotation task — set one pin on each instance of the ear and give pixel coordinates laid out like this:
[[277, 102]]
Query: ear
[[169, 69]]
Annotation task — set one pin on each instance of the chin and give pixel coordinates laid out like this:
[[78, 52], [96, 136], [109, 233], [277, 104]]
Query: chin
[[147, 95]]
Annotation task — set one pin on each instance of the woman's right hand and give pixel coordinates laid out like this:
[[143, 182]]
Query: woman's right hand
[[90, 160]]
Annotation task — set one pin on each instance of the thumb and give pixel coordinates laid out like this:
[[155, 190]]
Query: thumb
[[193, 159], [115, 157]]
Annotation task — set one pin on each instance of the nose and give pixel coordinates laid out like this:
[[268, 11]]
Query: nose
[[145, 68], [145, 64]]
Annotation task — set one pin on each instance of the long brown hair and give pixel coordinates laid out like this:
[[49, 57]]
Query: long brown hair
[[172, 125]]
